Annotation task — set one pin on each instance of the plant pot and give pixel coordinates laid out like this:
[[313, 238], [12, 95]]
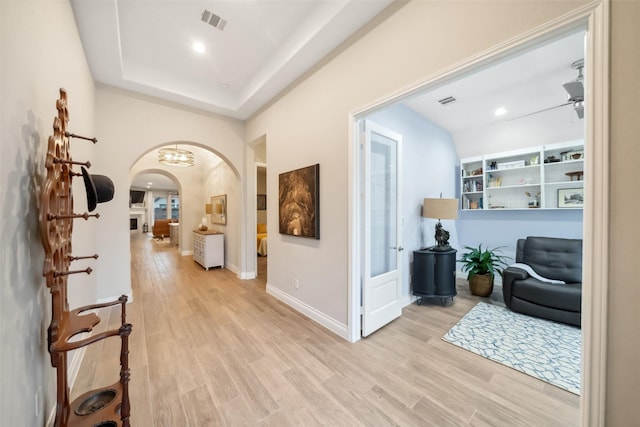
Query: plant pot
[[481, 285]]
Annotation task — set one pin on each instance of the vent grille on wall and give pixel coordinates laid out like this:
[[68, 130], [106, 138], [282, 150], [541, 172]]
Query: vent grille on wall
[[448, 100], [213, 20]]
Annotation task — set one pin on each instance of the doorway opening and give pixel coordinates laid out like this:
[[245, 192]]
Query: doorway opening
[[595, 240]]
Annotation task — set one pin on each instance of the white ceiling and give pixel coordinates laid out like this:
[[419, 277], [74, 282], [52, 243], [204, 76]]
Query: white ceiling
[[522, 84], [145, 47]]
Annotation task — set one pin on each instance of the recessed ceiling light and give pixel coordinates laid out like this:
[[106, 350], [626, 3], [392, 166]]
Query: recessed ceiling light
[[224, 86], [198, 47], [501, 111], [150, 183]]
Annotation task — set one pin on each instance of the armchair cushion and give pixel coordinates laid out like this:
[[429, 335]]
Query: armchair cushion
[[554, 258], [551, 258]]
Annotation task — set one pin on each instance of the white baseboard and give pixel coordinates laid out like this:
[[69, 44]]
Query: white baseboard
[[186, 253], [234, 268], [331, 324], [247, 275], [407, 300]]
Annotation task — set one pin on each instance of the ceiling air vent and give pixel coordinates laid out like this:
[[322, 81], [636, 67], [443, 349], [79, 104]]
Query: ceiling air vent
[[213, 20], [448, 100]]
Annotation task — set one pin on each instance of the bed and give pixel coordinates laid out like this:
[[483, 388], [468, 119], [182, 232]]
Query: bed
[[261, 239]]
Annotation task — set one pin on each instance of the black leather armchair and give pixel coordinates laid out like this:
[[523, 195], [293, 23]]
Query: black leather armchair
[[551, 258]]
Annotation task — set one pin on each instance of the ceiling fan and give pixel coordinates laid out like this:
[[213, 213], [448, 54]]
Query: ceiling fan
[[575, 91]]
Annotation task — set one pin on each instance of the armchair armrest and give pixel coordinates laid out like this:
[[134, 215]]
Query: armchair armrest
[[508, 276]]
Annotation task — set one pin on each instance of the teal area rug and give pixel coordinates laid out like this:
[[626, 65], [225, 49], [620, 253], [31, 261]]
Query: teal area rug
[[545, 350]]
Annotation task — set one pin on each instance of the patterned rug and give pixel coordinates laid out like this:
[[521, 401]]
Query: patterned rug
[[545, 350]]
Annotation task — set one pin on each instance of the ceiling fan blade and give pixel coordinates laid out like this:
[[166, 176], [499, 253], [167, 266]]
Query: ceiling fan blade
[[579, 111], [575, 90], [540, 111]]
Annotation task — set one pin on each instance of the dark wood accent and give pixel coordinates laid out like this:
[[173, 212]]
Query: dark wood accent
[[103, 406]]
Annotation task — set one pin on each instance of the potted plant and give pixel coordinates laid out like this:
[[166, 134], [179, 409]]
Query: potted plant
[[482, 265]]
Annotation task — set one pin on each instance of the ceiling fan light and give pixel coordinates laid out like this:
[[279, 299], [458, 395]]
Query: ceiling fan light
[[579, 109]]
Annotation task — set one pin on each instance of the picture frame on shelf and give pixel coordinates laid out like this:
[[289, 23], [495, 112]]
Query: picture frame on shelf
[[571, 197]]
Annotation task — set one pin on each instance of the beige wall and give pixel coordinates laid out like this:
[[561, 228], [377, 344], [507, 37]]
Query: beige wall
[[131, 125], [221, 180], [623, 373], [40, 52], [419, 40]]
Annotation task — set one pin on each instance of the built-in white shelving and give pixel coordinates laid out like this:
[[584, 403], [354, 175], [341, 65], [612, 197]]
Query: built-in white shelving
[[543, 177]]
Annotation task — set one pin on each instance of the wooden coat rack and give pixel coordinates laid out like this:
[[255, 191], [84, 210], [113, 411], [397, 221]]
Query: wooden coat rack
[[107, 406]]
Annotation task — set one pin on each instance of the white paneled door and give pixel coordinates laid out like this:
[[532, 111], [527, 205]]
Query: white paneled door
[[381, 227]]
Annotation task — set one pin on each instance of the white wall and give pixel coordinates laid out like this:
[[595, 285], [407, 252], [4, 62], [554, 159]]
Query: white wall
[[130, 125], [221, 180], [40, 52]]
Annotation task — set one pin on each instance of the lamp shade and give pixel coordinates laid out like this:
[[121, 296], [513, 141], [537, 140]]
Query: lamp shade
[[440, 208], [208, 208]]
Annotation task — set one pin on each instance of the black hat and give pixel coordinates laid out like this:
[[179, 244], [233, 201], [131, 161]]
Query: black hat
[[99, 189]]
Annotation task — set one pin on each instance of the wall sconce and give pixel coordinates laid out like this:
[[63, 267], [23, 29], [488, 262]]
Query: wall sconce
[[208, 208]]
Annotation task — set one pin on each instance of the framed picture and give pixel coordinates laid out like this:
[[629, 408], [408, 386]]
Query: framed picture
[[299, 202], [219, 209], [571, 197], [262, 202]]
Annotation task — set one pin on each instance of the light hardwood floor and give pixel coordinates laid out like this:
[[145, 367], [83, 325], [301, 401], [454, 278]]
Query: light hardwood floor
[[208, 349]]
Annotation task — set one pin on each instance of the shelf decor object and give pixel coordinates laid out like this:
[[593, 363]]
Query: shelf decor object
[[570, 197], [440, 209], [108, 405], [510, 177]]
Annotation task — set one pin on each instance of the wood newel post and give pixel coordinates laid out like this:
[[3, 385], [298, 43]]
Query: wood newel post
[[125, 331]]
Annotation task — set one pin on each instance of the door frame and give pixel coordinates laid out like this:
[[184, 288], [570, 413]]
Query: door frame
[[595, 17]]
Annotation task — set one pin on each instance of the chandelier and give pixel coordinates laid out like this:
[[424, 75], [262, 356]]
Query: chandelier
[[175, 157]]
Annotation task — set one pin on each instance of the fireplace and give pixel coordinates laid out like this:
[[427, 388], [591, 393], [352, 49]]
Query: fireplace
[[133, 223]]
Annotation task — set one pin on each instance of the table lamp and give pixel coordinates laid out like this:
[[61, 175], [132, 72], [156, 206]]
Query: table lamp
[[440, 209]]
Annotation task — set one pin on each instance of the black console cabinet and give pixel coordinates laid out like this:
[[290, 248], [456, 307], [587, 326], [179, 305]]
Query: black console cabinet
[[434, 274]]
